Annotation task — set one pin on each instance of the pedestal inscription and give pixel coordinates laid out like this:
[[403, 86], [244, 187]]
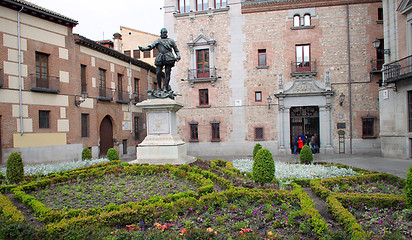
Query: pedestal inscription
[[158, 123]]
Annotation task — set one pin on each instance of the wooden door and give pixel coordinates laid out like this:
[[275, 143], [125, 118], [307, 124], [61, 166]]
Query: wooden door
[[106, 136]]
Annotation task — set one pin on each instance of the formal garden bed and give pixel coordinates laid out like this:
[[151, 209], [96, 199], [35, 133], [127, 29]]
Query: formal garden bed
[[207, 199]]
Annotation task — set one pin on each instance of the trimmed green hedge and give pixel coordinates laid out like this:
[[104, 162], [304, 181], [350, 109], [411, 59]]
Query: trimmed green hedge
[[8, 211]]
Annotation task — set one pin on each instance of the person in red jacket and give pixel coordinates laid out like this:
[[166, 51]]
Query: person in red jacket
[[300, 144]]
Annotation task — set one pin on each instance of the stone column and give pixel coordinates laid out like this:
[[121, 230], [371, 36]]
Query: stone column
[[325, 124]]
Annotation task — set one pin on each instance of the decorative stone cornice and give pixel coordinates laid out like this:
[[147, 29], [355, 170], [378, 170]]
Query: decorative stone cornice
[[276, 5]]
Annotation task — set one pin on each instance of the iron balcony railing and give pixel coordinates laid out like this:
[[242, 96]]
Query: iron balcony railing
[[201, 73], [1, 77], [44, 83], [377, 65], [138, 97], [398, 70], [105, 94], [303, 67], [123, 97]]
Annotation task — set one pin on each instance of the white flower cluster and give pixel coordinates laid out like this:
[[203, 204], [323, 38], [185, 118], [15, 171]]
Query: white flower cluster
[[299, 171], [57, 167]]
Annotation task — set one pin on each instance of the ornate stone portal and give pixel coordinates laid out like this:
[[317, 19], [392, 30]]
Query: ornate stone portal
[[162, 144], [305, 91]]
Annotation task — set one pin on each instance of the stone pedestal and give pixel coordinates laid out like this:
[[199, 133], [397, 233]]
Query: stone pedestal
[[162, 145]]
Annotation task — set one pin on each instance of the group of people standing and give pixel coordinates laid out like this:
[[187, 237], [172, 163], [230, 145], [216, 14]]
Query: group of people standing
[[312, 142]]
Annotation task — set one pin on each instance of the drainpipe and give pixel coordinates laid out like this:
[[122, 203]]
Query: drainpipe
[[20, 84], [130, 97], [349, 80]]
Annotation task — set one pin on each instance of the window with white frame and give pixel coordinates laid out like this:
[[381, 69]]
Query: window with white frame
[[201, 5], [296, 21], [306, 20], [302, 21], [220, 3], [183, 5]]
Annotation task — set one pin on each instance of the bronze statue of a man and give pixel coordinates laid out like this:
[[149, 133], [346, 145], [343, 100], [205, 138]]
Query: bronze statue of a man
[[165, 58]]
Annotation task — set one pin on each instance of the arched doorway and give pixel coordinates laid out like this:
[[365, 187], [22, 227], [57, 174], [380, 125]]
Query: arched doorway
[[106, 136]]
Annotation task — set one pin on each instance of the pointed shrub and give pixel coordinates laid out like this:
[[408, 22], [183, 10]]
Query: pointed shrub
[[263, 170], [112, 154], [306, 155], [408, 188], [15, 168], [256, 149], [86, 154]]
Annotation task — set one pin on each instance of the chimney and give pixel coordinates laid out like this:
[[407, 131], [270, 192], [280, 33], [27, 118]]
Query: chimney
[[117, 39]]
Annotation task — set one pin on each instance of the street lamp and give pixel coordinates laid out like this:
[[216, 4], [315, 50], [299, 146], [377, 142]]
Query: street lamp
[[376, 43], [341, 99], [269, 99], [78, 99]]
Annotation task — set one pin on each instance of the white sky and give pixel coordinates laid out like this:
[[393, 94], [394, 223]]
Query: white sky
[[102, 17]]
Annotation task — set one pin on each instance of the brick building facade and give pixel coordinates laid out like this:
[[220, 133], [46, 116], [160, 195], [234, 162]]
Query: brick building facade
[[64, 92], [268, 71]]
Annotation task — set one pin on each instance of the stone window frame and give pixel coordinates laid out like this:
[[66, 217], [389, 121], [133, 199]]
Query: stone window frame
[[202, 43], [258, 94], [302, 14]]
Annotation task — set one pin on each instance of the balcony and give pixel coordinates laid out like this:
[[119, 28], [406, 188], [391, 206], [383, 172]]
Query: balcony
[[44, 83], [377, 65], [1, 77], [105, 94], [398, 70], [304, 68], [123, 97], [201, 75]]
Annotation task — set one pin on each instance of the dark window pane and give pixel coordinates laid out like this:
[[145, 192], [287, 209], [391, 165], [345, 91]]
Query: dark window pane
[[127, 52], [259, 133], [203, 97], [194, 136], [124, 146], [215, 132], [136, 54], [44, 119], [83, 78], [85, 125], [146, 54], [367, 127], [380, 14]]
